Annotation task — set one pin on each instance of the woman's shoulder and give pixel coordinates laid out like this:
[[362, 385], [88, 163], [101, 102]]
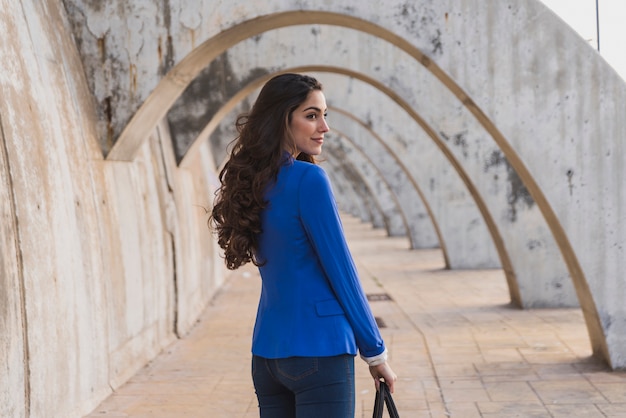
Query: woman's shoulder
[[310, 172], [309, 168]]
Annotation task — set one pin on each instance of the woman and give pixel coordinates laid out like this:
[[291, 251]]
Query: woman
[[275, 208]]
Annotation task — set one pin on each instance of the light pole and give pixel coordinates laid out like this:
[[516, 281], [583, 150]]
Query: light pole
[[598, 23]]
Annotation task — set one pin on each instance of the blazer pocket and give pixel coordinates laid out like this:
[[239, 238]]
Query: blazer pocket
[[328, 308]]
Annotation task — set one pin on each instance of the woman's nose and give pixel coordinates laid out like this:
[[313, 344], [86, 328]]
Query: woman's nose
[[323, 127]]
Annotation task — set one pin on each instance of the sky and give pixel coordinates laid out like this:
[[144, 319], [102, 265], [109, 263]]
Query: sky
[[581, 16]]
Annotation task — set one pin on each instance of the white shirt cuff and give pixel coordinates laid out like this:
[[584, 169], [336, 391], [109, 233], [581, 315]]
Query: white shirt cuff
[[376, 360]]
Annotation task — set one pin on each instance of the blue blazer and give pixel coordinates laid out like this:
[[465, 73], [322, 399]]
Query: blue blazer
[[312, 303]]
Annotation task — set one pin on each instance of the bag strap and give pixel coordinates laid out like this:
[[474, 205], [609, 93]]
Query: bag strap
[[383, 396], [391, 405], [379, 402]]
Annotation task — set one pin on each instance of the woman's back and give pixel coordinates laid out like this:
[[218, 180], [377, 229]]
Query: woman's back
[[311, 303]]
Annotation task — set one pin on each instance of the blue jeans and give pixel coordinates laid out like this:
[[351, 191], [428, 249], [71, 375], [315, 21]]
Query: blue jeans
[[305, 387]]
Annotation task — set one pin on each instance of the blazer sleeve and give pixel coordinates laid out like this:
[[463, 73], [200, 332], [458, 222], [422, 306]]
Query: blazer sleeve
[[320, 219]]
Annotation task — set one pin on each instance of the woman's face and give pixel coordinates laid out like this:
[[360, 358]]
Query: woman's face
[[308, 124]]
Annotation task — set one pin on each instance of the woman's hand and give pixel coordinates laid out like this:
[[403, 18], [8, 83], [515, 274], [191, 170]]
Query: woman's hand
[[383, 371]]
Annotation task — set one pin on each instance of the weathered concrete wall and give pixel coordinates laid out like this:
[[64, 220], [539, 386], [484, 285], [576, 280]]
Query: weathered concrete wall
[[12, 344], [102, 263], [507, 92]]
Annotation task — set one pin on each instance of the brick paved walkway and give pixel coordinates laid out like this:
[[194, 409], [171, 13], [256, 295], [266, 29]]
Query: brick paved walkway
[[457, 346]]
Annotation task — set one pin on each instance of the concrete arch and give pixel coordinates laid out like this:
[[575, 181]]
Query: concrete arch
[[430, 133], [354, 202], [466, 258], [534, 297], [448, 222], [534, 272], [341, 147], [344, 174], [169, 88], [381, 192], [365, 205], [225, 117], [423, 231], [499, 25], [230, 105]]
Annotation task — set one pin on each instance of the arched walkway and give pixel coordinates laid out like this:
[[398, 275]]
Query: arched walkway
[[192, 64]]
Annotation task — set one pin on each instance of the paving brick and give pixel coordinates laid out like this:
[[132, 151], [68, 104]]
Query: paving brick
[[458, 347]]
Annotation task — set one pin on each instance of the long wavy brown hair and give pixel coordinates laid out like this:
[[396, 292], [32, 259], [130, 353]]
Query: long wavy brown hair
[[254, 162]]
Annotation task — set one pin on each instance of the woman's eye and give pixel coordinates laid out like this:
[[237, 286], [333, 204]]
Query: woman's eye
[[312, 116]]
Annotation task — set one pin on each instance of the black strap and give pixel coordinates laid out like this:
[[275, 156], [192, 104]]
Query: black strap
[[383, 396]]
